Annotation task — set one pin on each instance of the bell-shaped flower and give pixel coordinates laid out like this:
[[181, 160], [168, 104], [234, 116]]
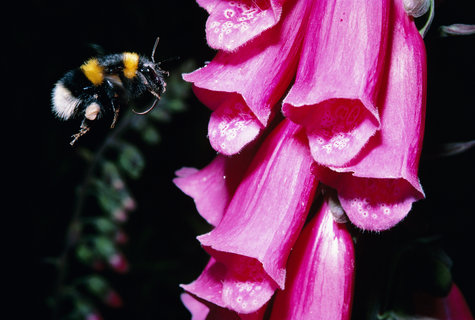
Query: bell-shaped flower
[[352, 61], [233, 23], [262, 221], [244, 86], [213, 186], [320, 273], [355, 76], [379, 186], [339, 76], [204, 298]]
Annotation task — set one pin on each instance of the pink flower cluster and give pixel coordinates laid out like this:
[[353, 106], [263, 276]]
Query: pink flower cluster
[[302, 92]]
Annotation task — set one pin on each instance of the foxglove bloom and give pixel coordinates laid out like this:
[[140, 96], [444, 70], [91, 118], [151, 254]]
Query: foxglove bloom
[[260, 224], [213, 187], [451, 307], [319, 284], [349, 77], [243, 87], [320, 273], [233, 23], [383, 182], [339, 76], [351, 61]]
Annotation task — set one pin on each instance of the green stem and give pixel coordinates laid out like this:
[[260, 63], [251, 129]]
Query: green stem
[[426, 27]]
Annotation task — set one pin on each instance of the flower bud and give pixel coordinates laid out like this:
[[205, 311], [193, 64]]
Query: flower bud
[[120, 215], [416, 8], [94, 316], [119, 263], [129, 204], [113, 300], [121, 237]]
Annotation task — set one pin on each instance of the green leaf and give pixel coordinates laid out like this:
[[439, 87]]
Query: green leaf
[[110, 171], [105, 225], [97, 285], [131, 160], [104, 246], [161, 114], [150, 135], [108, 198], [176, 105], [84, 253]]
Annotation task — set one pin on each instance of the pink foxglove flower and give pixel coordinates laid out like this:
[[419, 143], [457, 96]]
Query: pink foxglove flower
[[451, 307], [213, 186], [339, 76], [260, 224], [205, 300], [320, 273], [383, 182], [319, 283], [350, 76], [354, 60], [113, 300], [198, 310], [233, 23], [119, 263], [243, 87]]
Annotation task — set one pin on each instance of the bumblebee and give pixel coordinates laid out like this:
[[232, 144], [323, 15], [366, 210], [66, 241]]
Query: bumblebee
[[99, 87]]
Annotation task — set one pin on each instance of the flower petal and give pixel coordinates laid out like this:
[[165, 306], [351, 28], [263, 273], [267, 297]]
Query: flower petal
[[374, 204], [272, 59], [336, 87], [320, 273], [233, 23], [202, 310], [232, 126], [269, 207], [198, 310], [209, 284], [213, 186], [227, 288], [384, 182], [453, 306]]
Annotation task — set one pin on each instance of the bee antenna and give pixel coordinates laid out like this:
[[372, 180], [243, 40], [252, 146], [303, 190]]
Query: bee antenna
[[149, 109], [154, 48], [170, 59]]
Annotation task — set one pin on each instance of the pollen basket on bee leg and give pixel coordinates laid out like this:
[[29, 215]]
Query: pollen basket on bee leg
[[92, 111], [64, 103]]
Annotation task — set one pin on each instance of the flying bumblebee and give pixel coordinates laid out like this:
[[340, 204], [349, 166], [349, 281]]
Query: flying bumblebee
[[99, 87]]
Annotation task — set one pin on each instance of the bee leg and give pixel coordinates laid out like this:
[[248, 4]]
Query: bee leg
[[83, 130], [116, 110], [113, 95]]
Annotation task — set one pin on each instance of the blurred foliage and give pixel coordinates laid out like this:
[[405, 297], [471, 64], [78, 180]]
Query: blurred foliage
[[96, 241]]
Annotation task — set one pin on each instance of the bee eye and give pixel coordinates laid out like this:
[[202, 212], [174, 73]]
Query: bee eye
[[149, 72]]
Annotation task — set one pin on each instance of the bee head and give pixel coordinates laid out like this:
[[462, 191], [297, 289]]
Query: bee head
[[153, 77]]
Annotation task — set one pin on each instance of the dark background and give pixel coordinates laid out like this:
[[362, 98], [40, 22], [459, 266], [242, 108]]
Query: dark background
[[47, 38]]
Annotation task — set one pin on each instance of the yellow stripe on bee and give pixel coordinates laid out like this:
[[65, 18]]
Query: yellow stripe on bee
[[131, 64], [93, 71]]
